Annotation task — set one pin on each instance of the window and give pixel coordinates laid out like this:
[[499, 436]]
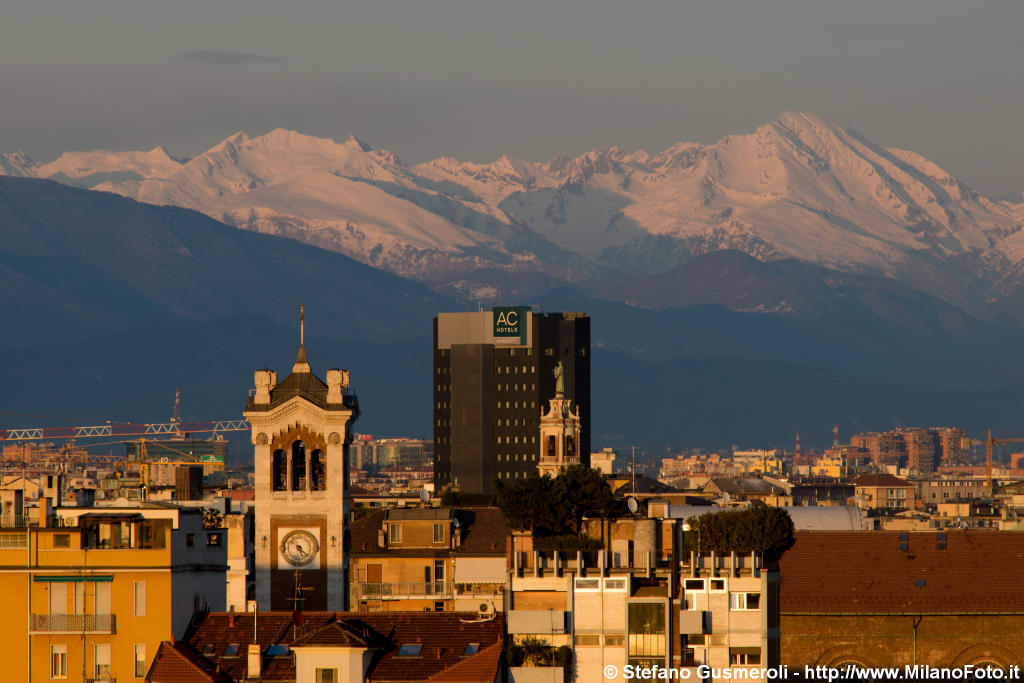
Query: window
[[58, 661], [213, 539], [62, 540], [694, 584], [744, 656], [101, 659], [471, 649], [395, 532], [231, 650], [325, 675], [587, 640], [717, 585], [614, 640], [410, 650], [190, 540], [744, 601], [140, 658], [140, 598], [277, 650]]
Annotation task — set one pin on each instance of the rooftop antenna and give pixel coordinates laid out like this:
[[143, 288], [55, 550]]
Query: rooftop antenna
[[797, 451], [835, 435], [302, 324]]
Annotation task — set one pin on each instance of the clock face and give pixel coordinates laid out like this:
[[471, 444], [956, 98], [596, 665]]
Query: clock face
[[299, 548]]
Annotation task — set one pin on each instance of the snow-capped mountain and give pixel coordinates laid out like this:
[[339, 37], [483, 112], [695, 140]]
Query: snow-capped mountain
[[799, 187]]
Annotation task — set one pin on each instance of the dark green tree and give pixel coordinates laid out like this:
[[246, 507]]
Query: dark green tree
[[760, 528], [584, 492], [531, 505]]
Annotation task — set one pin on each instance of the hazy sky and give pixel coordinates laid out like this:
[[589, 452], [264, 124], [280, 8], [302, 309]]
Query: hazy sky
[[475, 79]]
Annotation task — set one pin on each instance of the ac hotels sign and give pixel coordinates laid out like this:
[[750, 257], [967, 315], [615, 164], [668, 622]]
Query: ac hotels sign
[[510, 324]]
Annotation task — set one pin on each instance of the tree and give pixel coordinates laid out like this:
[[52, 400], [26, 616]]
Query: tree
[[549, 506], [767, 530], [531, 505], [584, 492]]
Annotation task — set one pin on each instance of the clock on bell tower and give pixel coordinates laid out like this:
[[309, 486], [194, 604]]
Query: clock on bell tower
[[301, 430]]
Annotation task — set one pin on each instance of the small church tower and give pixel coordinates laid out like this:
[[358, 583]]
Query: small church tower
[[301, 430], [559, 432]]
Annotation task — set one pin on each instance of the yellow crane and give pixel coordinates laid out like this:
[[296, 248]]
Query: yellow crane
[[144, 464], [989, 442]]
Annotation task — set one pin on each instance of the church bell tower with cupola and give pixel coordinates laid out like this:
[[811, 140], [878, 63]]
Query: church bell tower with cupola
[[301, 430], [559, 432]]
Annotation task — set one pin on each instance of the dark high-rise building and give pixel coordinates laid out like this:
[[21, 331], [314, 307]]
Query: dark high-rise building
[[494, 371]]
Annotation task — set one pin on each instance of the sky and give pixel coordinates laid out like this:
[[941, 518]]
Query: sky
[[476, 79]]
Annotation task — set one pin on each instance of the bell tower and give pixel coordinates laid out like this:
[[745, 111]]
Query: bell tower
[[559, 432], [301, 430]]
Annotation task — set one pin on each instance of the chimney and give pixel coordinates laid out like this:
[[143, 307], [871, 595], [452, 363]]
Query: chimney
[[381, 539], [253, 670]]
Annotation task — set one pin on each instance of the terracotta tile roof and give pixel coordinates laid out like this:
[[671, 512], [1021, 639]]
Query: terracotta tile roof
[[484, 532], [479, 668], [443, 637], [177, 663], [868, 572], [880, 480]]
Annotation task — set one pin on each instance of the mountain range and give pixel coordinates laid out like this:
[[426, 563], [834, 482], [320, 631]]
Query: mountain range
[[739, 292], [801, 187]]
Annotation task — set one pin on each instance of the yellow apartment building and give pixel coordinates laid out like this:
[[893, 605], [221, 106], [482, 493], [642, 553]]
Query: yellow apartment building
[[90, 596]]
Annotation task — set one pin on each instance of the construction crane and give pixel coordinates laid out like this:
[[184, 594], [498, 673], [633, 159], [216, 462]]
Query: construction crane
[[137, 429], [989, 442], [145, 464]]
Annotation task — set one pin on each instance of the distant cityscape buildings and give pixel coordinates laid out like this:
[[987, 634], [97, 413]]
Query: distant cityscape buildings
[[340, 557]]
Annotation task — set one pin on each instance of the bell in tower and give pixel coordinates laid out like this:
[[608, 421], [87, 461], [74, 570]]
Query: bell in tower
[[301, 430]]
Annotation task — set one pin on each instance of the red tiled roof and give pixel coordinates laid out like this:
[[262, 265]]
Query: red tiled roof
[[479, 668], [483, 530], [829, 572], [880, 480], [442, 635], [176, 663]]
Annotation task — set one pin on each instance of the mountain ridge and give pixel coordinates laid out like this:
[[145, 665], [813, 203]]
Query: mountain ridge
[[799, 187]]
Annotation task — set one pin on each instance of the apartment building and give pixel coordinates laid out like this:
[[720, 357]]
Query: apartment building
[[435, 559], [643, 602], [884, 491], [92, 594]]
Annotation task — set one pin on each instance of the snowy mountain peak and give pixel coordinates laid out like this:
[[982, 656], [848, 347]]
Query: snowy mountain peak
[[17, 164], [800, 186], [355, 143]]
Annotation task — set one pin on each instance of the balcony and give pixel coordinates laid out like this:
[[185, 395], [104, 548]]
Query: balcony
[[435, 590], [73, 623]]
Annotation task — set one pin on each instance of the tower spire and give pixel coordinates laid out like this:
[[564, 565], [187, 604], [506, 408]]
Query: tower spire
[[301, 362]]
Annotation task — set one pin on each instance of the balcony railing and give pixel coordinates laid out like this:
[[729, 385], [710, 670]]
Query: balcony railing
[[74, 623], [16, 521], [438, 590]]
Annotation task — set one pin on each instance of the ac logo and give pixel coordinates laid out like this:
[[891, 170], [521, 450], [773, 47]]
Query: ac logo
[[510, 324]]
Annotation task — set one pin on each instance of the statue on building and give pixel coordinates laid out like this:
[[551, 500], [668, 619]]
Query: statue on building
[[559, 379]]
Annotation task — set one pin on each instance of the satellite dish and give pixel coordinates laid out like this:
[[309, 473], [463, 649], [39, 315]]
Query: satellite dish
[[455, 523], [631, 504], [425, 495]]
